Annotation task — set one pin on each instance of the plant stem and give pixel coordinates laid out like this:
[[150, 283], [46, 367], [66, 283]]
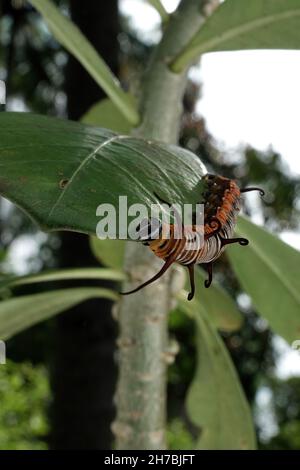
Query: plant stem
[[160, 9], [143, 340]]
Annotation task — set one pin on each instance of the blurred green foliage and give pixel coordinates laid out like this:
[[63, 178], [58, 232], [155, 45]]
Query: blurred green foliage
[[24, 397], [178, 436], [288, 437], [286, 409]]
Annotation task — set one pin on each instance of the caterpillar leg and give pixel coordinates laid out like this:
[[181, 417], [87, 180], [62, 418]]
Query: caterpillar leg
[[154, 278], [209, 269], [246, 190], [229, 241], [192, 281]]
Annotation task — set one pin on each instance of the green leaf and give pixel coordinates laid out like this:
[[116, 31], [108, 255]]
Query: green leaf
[[77, 44], [243, 24], [219, 306], [20, 313], [60, 171], [216, 403], [109, 252], [268, 270], [106, 114], [63, 275]]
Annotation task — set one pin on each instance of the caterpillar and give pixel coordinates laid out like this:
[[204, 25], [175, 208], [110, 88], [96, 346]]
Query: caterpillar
[[221, 200]]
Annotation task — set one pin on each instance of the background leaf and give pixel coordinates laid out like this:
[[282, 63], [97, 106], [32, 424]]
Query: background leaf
[[70, 36], [20, 313], [64, 274], [87, 166], [268, 270], [219, 306], [215, 402], [106, 114], [109, 252], [227, 322], [243, 24]]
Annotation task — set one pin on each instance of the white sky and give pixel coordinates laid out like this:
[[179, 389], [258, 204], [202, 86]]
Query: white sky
[[254, 97], [288, 363]]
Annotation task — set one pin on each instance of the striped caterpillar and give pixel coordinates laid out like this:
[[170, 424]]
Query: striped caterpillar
[[221, 206]]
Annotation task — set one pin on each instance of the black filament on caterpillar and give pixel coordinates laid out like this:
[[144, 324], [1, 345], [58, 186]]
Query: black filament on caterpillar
[[221, 207]]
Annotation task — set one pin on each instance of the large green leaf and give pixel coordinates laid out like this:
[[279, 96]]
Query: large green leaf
[[60, 171], [219, 306], [216, 403], [77, 44], [268, 270], [64, 275], [109, 252], [19, 313], [244, 24], [106, 114]]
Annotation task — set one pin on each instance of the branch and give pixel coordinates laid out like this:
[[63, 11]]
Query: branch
[[76, 43], [160, 9], [143, 317]]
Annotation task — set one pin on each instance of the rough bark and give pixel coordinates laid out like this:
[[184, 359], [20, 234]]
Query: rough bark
[[143, 341], [84, 371]]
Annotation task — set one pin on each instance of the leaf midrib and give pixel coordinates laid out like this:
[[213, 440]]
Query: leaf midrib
[[79, 168]]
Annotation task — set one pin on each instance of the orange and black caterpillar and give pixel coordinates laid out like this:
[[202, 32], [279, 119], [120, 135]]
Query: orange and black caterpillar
[[221, 206]]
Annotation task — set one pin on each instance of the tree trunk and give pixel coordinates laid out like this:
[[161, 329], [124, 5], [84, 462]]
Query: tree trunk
[[143, 342], [84, 372]]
